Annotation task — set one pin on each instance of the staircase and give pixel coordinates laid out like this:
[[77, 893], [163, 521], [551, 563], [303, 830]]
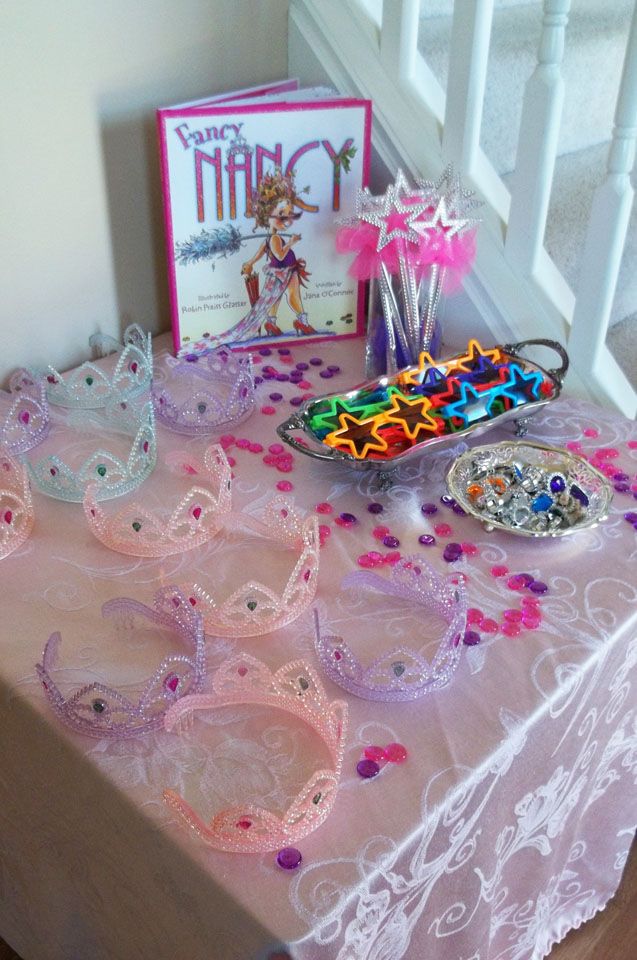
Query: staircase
[[481, 84]]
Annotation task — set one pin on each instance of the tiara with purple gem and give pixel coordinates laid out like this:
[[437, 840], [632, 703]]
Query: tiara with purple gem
[[89, 386], [100, 711], [27, 421], [218, 389], [402, 673], [16, 505], [111, 475], [140, 532]]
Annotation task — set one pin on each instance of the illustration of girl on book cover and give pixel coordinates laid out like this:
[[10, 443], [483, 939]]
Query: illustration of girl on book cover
[[276, 207]]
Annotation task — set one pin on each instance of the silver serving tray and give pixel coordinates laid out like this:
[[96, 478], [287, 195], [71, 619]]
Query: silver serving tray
[[553, 459], [313, 447]]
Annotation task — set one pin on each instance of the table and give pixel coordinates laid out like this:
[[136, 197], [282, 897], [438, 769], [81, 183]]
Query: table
[[508, 824]]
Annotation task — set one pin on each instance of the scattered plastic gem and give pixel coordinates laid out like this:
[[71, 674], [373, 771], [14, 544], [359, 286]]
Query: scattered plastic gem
[[316, 361], [324, 507], [377, 754], [474, 615], [443, 530], [289, 858], [426, 540], [471, 638], [326, 374], [510, 629], [380, 532], [275, 397], [488, 626], [367, 769], [395, 753], [268, 410], [499, 570], [429, 508], [469, 548], [452, 552], [538, 587], [375, 507], [285, 486], [447, 500], [513, 615], [391, 542], [346, 519], [515, 583]]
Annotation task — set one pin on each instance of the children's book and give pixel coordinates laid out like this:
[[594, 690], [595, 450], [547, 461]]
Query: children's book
[[255, 184]]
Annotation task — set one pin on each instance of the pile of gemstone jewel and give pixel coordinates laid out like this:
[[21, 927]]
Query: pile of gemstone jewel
[[525, 496]]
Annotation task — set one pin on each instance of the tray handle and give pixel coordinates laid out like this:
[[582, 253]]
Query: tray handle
[[295, 423], [558, 373]]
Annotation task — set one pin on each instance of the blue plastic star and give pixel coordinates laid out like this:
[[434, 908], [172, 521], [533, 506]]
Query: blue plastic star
[[522, 386], [473, 405]]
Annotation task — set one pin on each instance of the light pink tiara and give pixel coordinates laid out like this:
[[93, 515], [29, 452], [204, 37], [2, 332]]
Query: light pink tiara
[[295, 688], [253, 608], [16, 505], [101, 711], [206, 408], [199, 515], [26, 422]]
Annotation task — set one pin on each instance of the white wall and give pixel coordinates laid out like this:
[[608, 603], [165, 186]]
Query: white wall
[[81, 229]]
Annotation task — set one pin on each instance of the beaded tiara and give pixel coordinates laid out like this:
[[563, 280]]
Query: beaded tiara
[[199, 515], [27, 421], [100, 711], [110, 475], [295, 688], [16, 505], [206, 409], [89, 387], [253, 608], [401, 673]]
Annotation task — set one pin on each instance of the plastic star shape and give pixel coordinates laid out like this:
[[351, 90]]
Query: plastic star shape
[[442, 224], [459, 200], [474, 352], [360, 436], [473, 405], [526, 384], [414, 375], [339, 405], [378, 210], [412, 414]]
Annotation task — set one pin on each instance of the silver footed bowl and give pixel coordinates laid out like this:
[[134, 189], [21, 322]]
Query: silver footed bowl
[[529, 489], [381, 423]]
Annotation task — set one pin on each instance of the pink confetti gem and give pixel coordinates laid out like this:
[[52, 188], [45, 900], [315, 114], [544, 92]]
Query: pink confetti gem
[[285, 486], [632, 444], [499, 570], [196, 512], [256, 448], [8, 516], [366, 561], [304, 385], [380, 532], [474, 615], [324, 533], [591, 432], [25, 416], [284, 466], [530, 622], [488, 626], [512, 615], [232, 462], [469, 549], [377, 754], [515, 583], [395, 753], [574, 446], [608, 453], [392, 557], [510, 629], [324, 507], [268, 411], [443, 530], [276, 448]]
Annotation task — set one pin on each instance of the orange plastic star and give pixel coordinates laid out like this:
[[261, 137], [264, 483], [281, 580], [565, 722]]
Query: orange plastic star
[[359, 436], [474, 350], [414, 375], [412, 414]]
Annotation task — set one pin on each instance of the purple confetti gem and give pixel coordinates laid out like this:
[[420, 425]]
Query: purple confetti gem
[[378, 508], [459, 510], [536, 586], [284, 352], [429, 509], [621, 487], [296, 401], [367, 769], [289, 858], [334, 368], [452, 552], [316, 361], [326, 374], [631, 516], [275, 397], [427, 540], [302, 366], [265, 351], [471, 637], [283, 377], [348, 518], [391, 542], [447, 500]]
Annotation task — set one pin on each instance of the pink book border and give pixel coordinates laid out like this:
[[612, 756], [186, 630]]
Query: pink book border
[[222, 110]]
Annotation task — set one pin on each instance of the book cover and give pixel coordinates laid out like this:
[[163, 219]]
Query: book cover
[[255, 184]]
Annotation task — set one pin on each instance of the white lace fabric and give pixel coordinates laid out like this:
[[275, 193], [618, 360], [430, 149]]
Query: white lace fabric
[[508, 824]]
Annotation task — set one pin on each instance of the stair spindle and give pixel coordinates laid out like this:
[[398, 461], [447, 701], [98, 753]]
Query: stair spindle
[[399, 37], [537, 143], [468, 61], [608, 224]]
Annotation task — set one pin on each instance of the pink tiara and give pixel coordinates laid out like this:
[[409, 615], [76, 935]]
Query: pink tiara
[[203, 407], [401, 673], [16, 505], [295, 688], [26, 422], [100, 711], [254, 609], [198, 516]]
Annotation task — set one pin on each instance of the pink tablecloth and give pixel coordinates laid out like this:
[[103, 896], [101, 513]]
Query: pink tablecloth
[[508, 825]]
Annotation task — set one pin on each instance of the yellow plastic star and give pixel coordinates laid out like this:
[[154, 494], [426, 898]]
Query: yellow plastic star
[[358, 436], [412, 414]]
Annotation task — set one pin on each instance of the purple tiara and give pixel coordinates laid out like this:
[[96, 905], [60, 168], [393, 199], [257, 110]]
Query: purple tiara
[[100, 711], [26, 420], [203, 394], [401, 673]]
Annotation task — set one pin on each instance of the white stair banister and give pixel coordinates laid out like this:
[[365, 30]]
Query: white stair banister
[[537, 143], [608, 224], [399, 37], [468, 61]]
